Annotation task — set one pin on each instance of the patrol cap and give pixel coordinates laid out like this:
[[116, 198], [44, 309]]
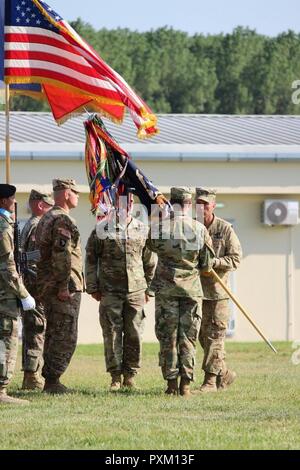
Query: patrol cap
[[206, 194], [7, 190], [37, 196], [59, 184], [181, 193]]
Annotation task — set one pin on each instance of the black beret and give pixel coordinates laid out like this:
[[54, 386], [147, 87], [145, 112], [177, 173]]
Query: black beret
[[7, 190]]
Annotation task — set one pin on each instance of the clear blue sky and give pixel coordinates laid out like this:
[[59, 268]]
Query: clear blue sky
[[268, 17]]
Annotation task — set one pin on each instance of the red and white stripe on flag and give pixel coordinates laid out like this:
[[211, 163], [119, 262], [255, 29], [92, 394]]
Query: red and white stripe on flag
[[40, 47]]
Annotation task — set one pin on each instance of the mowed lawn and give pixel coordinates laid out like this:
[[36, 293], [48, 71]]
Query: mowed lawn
[[260, 411]]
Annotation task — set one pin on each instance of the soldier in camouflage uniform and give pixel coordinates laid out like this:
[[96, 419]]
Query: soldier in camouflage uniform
[[34, 322], [59, 282], [215, 310], [119, 270], [183, 248], [12, 292]]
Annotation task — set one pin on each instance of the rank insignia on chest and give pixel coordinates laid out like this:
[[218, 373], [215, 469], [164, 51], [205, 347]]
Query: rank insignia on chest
[[218, 236]]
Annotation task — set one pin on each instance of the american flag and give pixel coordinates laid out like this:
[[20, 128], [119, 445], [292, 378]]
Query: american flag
[[40, 47]]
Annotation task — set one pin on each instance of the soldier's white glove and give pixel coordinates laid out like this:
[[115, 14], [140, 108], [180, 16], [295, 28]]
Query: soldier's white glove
[[28, 303]]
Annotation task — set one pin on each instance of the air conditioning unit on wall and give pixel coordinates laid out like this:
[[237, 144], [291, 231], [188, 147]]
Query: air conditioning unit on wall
[[280, 212]]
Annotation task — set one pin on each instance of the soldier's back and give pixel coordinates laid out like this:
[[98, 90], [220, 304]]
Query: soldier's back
[[178, 248], [119, 255]]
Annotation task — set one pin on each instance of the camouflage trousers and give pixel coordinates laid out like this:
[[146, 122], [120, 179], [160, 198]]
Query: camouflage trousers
[[33, 338], [61, 334], [215, 317], [122, 321], [8, 348], [177, 325]]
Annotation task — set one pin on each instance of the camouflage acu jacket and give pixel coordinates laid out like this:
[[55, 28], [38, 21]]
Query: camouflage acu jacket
[[27, 242], [120, 263], [11, 285], [183, 249], [60, 266], [228, 257]]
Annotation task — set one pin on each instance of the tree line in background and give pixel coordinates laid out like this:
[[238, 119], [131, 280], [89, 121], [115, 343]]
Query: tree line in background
[[238, 73]]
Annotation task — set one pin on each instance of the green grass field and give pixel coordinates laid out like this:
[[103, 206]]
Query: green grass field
[[260, 411]]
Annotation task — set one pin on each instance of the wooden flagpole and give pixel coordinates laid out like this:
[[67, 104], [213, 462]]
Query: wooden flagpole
[[234, 299], [7, 140]]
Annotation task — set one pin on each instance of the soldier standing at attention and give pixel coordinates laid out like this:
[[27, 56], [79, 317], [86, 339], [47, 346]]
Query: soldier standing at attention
[[119, 271], [33, 333], [183, 249], [12, 291], [59, 282], [216, 311]]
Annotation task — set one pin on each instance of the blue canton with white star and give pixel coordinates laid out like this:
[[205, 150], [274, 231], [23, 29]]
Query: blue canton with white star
[[25, 13]]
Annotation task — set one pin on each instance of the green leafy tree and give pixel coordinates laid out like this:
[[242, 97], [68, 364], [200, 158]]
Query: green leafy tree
[[234, 57], [25, 103], [238, 73], [279, 67]]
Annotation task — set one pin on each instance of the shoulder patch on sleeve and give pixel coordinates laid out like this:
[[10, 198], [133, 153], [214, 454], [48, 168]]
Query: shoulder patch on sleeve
[[6, 243], [64, 232]]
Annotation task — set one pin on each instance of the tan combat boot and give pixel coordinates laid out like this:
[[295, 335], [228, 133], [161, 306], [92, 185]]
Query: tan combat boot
[[7, 400], [225, 380], [115, 381], [209, 384], [54, 387], [129, 381], [32, 381], [184, 388], [172, 387]]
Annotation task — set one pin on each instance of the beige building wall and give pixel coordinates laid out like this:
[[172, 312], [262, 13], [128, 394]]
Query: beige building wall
[[267, 282]]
